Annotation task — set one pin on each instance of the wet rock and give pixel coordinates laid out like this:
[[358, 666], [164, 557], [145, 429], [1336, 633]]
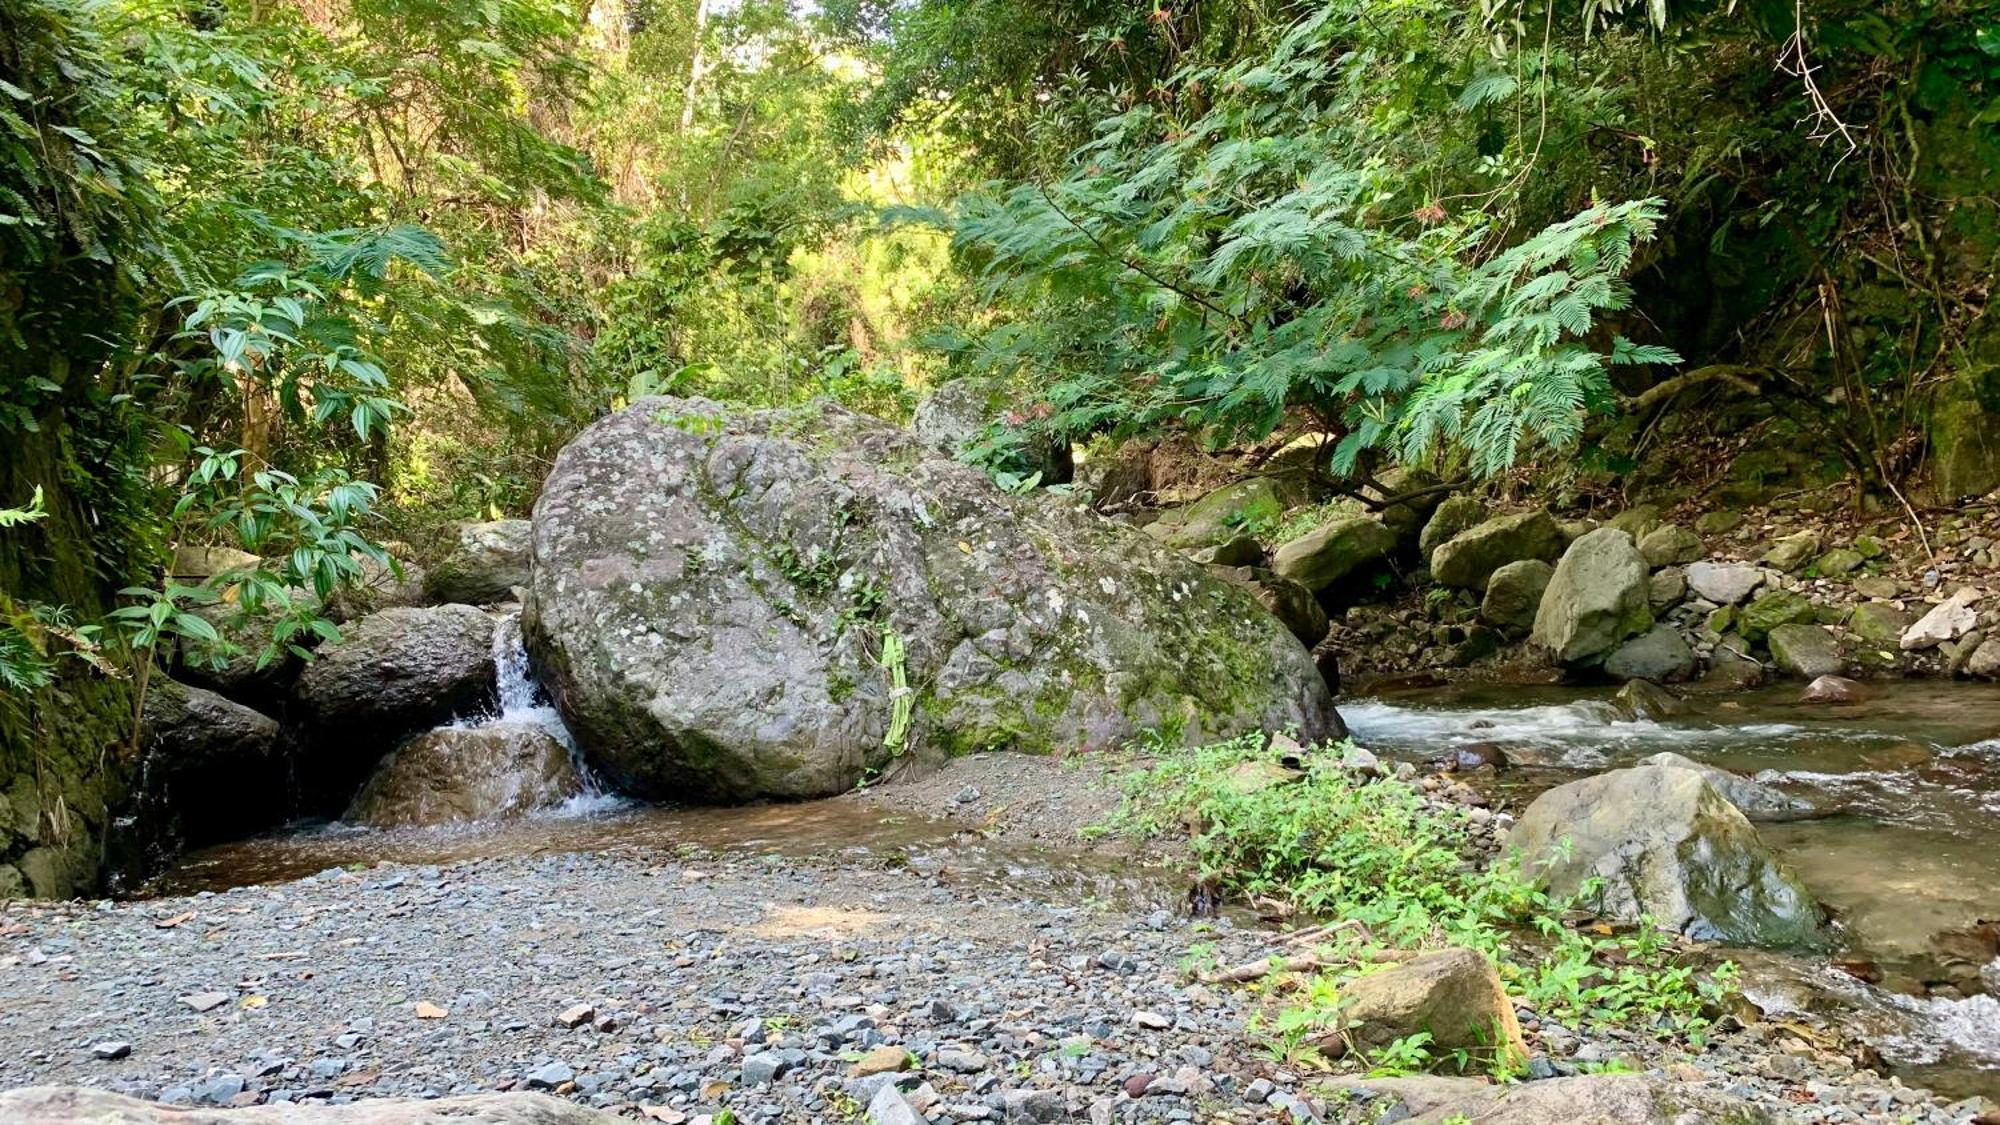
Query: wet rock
[[1334, 550], [1792, 552], [1757, 802], [1723, 583], [1454, 994], [1474, 756], [1669, 544], [1662, 842], [716, 591], [1513, 595], [1659, 655], [1947, 621], [458, 775], [1808, 651], [212, 766], [960, 413], [391, 674], [1595, 600], [1455, 515], [1467, 560], [1771, 609], [1626, 1099], [484, 564], [1833, 689], [1643, 699]]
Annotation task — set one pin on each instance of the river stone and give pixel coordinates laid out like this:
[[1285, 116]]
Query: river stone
[[1877, 586], [1947, 621], [1659, 654], [1669, 544], [1220, 515], [1596, 598], [485, 563], [1807, 651], [1643, 699], [1719, 522], [1334, 550], [1454, 994], [1666, 588], [1467, 560], [1839, 561], [211, 766], [1587, 1099], [714, 590], [1723, 583], [1240, 551], [454, 775], [958, 414], [1513, 594], [1833, 689], [1730, 666], [1792, 552], [1771, 609], [1286, 600], [1757, 802], [390, 675], [1664, 843], [66, 1105], [1637, 521], [1880, 623], [1457, 514], [1985, 660], [192, 564]]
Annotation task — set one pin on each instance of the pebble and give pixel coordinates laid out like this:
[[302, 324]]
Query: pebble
[[111, 1049]]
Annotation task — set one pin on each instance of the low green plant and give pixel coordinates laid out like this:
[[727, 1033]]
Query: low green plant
[[1374, 854]]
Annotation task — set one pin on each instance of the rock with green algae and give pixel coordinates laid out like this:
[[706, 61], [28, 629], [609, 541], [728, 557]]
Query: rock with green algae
[[1880, 623], [1839, 561], [1660, 841], [1671, 543], [730, 604], [1467, 560], [1792, 552], [1221, 515], [1457, 514], [1806, 651], [1333, 550], [1771, 609]]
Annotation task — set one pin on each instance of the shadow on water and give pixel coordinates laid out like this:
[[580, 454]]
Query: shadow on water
[[1909, 778]]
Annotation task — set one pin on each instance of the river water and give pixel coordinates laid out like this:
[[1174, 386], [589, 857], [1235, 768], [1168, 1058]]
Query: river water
[[1910, 845]]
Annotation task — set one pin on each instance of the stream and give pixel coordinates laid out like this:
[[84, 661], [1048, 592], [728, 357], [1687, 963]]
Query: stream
[[1908, 782]]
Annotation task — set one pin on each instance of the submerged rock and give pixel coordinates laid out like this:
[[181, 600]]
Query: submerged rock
[[1643, 699], [730, 604], [1833, 689], [1597, 598], [452, 775], [484, 565], [1662, 842], [1468, 559]]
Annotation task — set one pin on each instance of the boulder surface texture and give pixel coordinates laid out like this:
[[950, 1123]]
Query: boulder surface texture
[[66, 1105], [453, 775], [731, 604]]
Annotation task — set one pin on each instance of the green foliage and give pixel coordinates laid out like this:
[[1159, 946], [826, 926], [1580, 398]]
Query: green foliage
[[1249, 245], [1374, 855]]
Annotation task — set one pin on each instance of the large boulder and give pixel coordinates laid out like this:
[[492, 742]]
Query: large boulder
[[486, 561], [1671, 543], [390, 675], [1773, 608], [456, 774], [1660, 841], [1288, 601], [1221, 515], [1597, 597], [1755, 801], [1587, 1099], [1513, 595], [1468, 559], [1453, 517], [1454, 994], [730, 604], [213, 767], [1334, 550], [960, 413], [74, 1105], [1659, 654]]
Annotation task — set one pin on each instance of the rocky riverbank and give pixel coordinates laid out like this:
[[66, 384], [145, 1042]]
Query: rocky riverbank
[[678, 986]]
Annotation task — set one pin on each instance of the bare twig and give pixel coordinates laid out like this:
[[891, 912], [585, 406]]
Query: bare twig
[[1795, 61]]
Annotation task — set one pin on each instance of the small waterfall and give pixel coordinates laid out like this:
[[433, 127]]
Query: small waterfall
[[522, 703]]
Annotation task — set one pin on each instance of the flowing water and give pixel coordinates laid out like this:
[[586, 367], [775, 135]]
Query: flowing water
[[1909, 846]]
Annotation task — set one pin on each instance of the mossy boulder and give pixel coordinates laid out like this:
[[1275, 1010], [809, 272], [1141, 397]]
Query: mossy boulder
[[1467, 560], [1221, 515], [1597, 597], [1455, 515], [1334, 550], [730, 604], [1839, 561], [1771, 609], [1660, 841], [1671, 543], [1880, 623], [1792, 552]]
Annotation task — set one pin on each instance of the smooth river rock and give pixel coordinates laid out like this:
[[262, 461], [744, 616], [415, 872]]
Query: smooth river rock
[[455, 775], [1468, 559], [1664, 843], [1597, 598], [733, 603]]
